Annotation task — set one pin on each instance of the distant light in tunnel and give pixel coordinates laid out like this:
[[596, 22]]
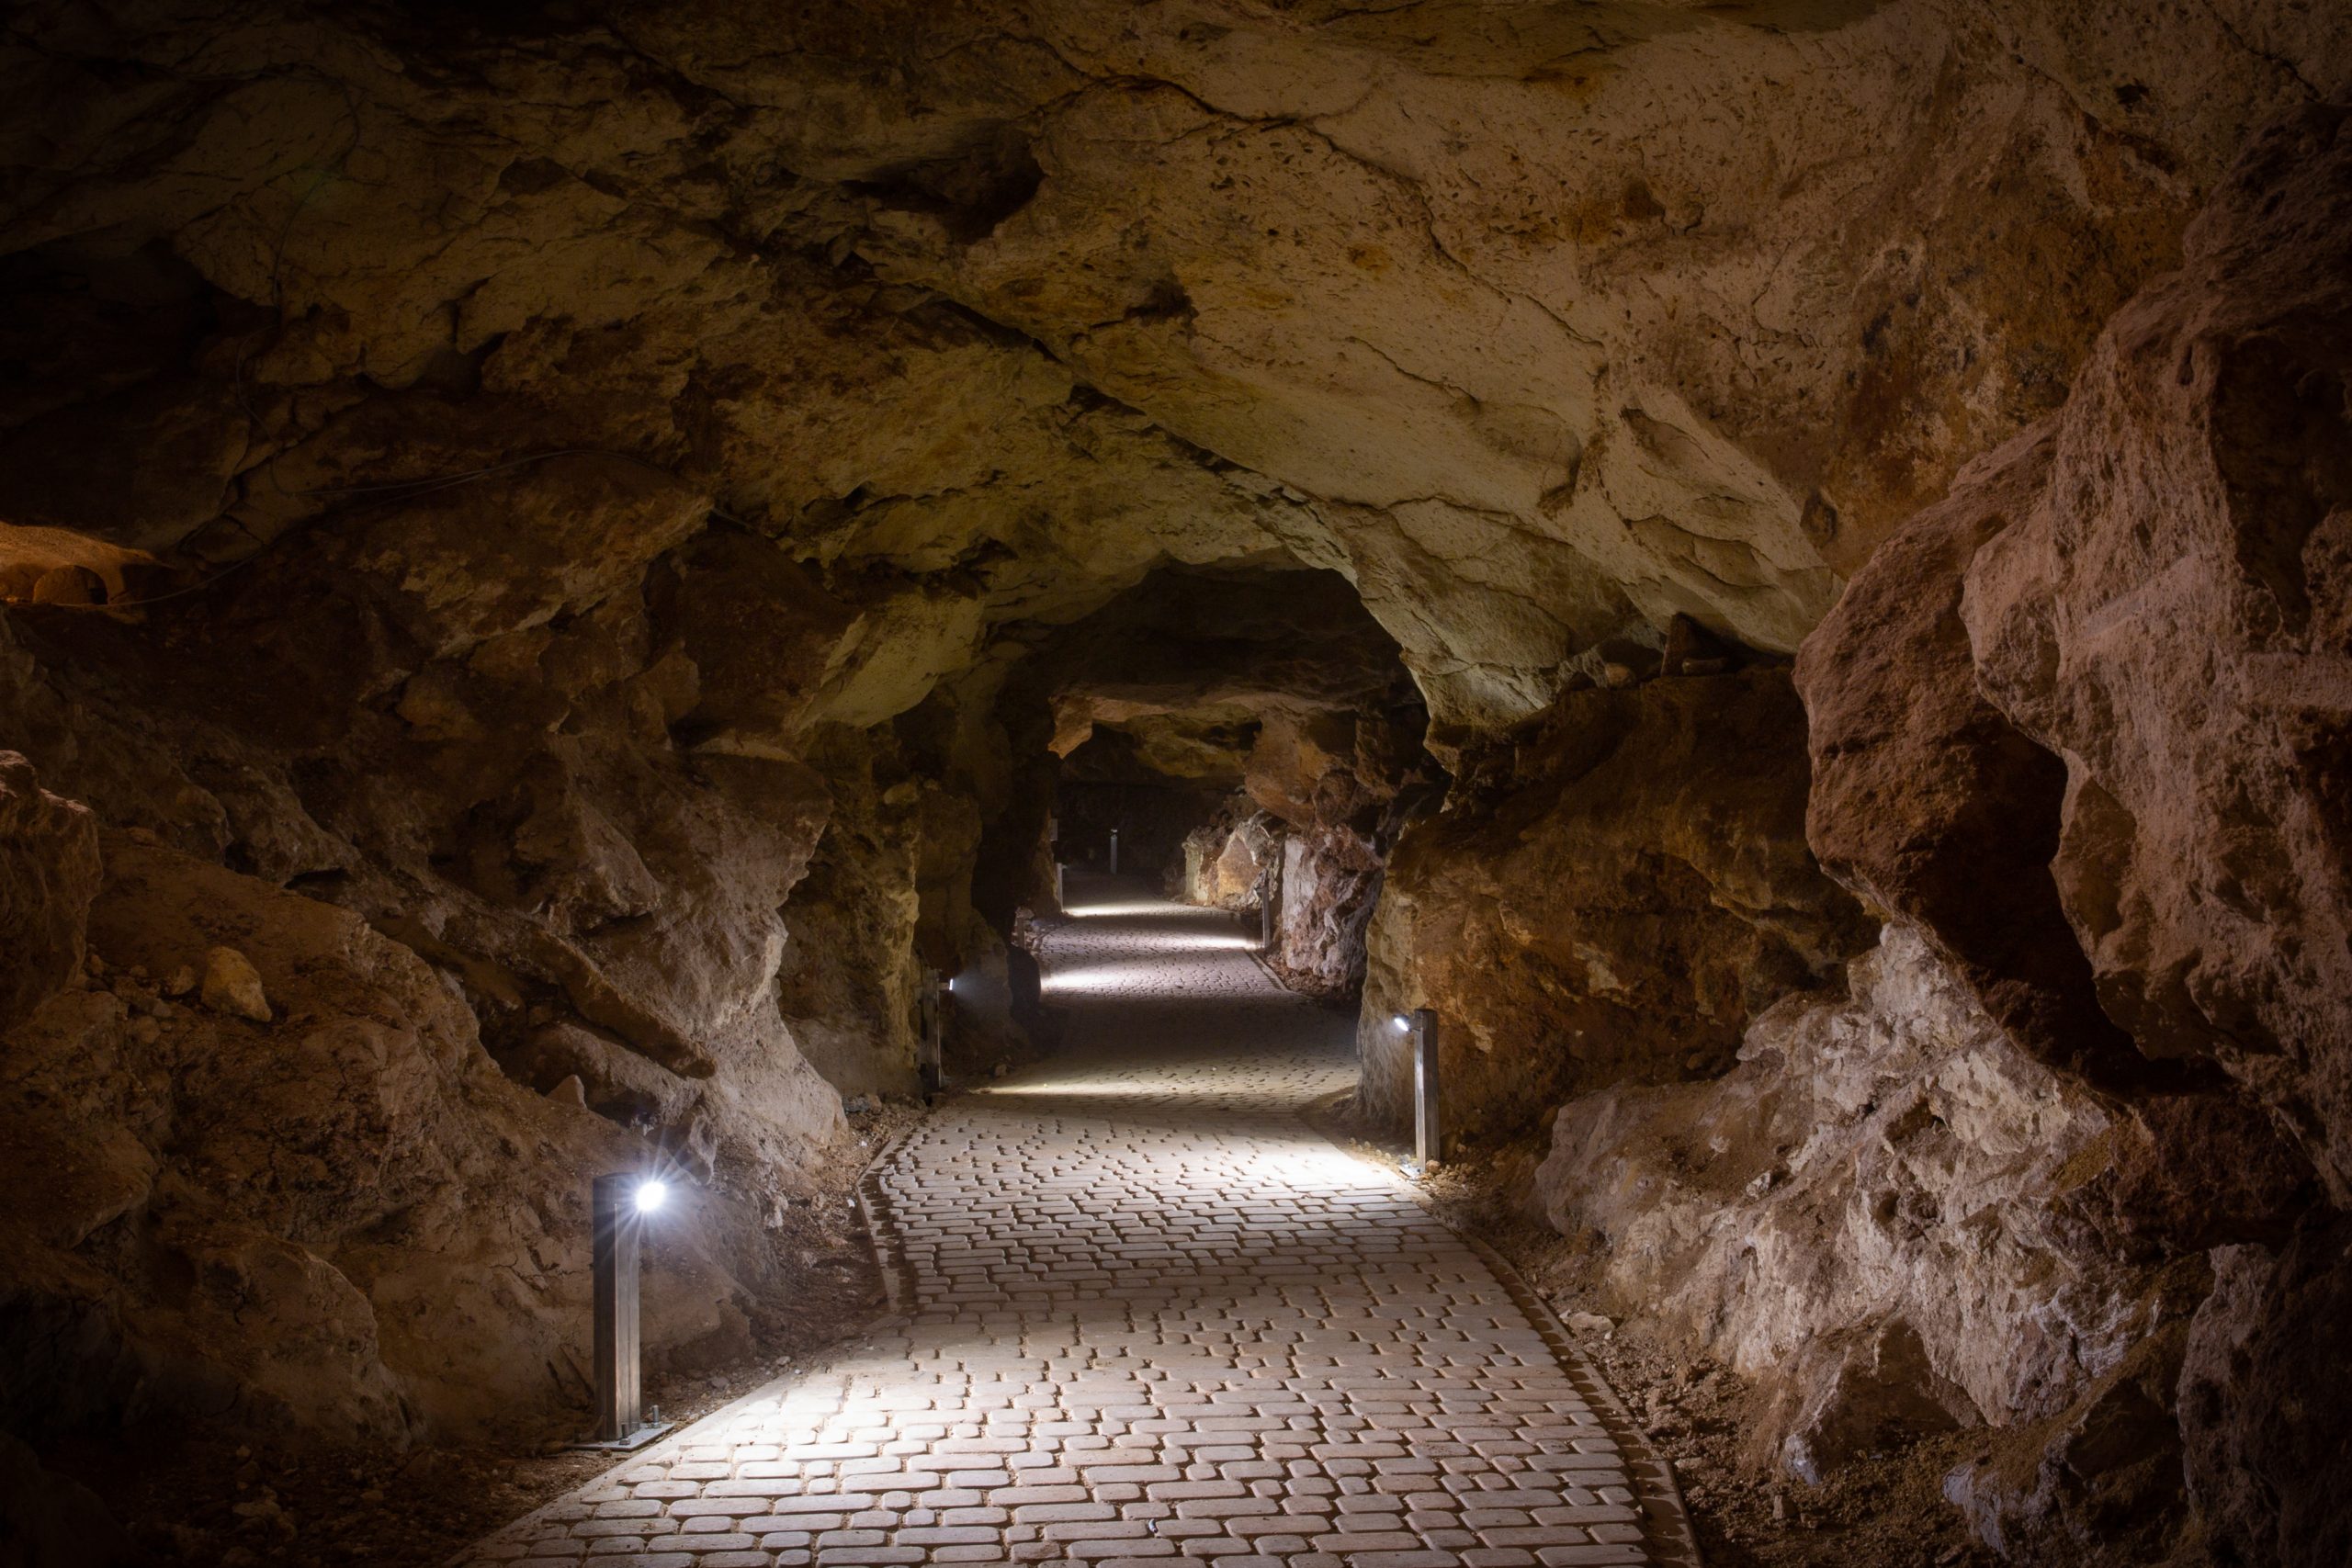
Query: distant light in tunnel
[[651, 1195], [1088, 911]]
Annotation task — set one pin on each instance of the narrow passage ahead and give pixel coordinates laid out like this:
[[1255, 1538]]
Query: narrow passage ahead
[[1145, 1312]]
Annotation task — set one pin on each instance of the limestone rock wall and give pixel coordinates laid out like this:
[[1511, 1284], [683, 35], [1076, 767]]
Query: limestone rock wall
[[591, 500], [1541, 328], [2173, 617], [343, 1220], [511, 932], [1886, 1214], [1332, 878], [2082, 725], [1613, 897]]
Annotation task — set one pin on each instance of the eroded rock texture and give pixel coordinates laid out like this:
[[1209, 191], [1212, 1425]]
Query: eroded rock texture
[[1890, 1216], [377, 1231], [1539, 326], [1631, 888], [2175, 617], [580, 545], [2119, 656]]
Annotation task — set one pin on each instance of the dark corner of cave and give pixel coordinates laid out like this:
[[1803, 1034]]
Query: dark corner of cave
[[1294, 786]]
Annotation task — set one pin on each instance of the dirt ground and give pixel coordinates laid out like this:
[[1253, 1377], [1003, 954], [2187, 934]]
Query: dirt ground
[[205, 1500], [1885, 1511]]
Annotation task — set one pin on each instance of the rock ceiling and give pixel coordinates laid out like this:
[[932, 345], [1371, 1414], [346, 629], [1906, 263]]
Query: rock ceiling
[[1540, 324]]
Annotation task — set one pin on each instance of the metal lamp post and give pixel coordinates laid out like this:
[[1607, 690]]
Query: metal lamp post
[[1270, 904], [619, 1206], [934, 1027], [1428, 1135], [1420, 1028]]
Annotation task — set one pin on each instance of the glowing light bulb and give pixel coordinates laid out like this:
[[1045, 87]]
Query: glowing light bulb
[[1400, 1023], [651, 1195]]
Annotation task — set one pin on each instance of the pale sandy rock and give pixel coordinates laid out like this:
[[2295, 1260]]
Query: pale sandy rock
[[232, 986], [1878, 1214], [1537, 327]]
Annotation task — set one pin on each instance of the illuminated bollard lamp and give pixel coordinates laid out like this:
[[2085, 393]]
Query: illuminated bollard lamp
[[1420, 1027], [620, 1206], [928, 1045]]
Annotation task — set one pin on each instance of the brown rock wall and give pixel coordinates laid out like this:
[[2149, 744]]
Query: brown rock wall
[[509, 864], [345, 1222], [2173, 616], [1633, 890], [2081, 723]]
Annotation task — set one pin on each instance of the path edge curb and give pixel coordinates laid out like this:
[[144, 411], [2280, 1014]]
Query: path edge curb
[[873, 1205], [884, 1239], [1667, 1526]]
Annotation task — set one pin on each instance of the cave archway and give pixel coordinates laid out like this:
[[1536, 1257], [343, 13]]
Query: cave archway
[[1781, 566]]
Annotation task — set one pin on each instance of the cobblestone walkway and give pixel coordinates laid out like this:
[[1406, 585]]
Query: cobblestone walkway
[[1144, 1313]]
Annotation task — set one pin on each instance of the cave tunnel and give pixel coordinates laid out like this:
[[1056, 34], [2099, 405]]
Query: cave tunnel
[[1715, 638]]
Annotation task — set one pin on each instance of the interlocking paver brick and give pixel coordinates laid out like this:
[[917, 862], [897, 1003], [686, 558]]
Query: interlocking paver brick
[[1145, 1315]]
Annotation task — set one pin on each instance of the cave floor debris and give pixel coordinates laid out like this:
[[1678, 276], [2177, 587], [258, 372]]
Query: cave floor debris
[[1143, 1311]]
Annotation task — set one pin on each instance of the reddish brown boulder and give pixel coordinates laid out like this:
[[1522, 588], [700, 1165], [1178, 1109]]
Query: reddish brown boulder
[[2173, 615], [1926, 799], [2270, 1458]]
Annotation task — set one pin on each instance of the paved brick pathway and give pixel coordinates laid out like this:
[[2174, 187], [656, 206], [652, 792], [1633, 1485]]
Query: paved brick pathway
[[1142, 1313]]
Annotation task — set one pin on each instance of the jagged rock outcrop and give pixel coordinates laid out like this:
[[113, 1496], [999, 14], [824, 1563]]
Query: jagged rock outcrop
[[2266, 1452], [1326, 890], [1887, 1214], [343, 1222], [2175, 617], [1926, 799], [1633, 889], [2118, 650], [402, 860]]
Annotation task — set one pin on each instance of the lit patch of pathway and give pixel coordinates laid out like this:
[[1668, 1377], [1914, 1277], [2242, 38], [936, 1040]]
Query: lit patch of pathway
[[1145, 1314]]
